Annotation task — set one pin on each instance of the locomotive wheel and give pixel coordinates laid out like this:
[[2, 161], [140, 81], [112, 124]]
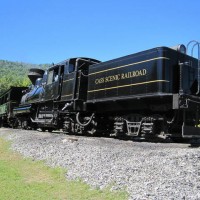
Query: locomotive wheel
[[43, 129], [92, 132], [24, 125], [92, 129], [67, 126], [34, 127], [77, 129], [15, 124], [50, 130]]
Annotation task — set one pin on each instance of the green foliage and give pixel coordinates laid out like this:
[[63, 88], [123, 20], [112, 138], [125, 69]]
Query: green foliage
[[15, 74], [24, 179]]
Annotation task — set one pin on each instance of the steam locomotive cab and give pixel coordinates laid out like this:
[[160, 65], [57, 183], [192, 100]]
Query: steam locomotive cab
[[54, 94], [75, 80]]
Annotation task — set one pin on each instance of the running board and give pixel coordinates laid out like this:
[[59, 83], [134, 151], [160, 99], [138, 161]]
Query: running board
[[44, 121]]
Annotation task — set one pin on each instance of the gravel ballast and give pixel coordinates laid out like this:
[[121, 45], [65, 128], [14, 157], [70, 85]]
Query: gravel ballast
[[145, 170]]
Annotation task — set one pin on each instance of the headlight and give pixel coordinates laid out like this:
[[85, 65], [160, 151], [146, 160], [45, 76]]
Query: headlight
[[180, 48]]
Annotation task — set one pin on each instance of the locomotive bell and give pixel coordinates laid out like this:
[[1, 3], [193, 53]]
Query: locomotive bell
[[180, 48]]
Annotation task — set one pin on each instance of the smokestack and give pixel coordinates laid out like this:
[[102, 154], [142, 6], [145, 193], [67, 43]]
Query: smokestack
[[35, 73]]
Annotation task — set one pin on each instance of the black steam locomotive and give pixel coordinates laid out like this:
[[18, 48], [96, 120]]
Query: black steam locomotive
[[154, 93]]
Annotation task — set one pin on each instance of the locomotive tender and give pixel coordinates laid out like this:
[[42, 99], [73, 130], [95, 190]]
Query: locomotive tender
[[153, 93]]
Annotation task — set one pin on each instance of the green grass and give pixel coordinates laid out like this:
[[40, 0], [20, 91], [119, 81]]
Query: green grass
[[26, 179]]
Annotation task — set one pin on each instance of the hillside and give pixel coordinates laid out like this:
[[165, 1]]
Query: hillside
[[15, 73]]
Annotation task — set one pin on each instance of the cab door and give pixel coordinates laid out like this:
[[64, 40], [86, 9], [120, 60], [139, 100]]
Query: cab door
[[68, 82], [54, 83]]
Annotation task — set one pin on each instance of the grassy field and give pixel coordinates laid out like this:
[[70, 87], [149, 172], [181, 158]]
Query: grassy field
[[26, 179]]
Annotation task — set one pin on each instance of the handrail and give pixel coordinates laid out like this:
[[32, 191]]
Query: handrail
[[196, 43]]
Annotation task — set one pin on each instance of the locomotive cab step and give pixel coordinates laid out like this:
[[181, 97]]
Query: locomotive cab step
[[133, 128]]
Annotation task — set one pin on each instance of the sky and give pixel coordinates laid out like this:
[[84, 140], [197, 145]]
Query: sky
[[46, 31]]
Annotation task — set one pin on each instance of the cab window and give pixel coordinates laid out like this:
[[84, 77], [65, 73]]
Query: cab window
[[53, 75], [50, 77], [71, 68]]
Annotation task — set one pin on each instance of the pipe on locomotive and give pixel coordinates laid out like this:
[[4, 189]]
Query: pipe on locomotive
[[87, 123], [196, 43]]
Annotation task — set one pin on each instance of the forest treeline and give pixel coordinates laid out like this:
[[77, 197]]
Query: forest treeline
[[15, 74]]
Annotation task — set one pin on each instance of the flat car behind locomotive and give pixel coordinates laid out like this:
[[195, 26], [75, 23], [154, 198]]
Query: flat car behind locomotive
[[153, 93], [8, 100]]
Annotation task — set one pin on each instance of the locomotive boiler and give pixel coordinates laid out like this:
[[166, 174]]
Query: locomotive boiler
[[153, 93]]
